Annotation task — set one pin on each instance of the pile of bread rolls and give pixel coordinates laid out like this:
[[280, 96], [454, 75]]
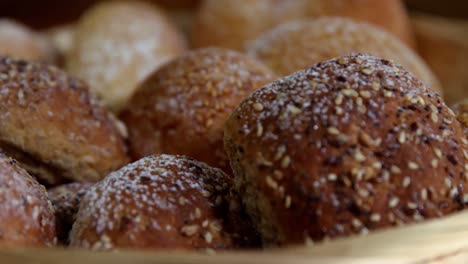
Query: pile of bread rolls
[[220, 124]]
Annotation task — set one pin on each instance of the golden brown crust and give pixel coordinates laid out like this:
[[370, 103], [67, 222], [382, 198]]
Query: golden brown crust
[[117, 44], [16, 40], [159, 201], [443, 43], [347, 146], [54, 126], [248, 18], [66, 201], [26, 215], [299, 44], [182, 107]]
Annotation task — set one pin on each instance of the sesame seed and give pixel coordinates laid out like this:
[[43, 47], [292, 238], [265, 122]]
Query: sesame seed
[[367, 71], [333, 131], [393, 202], [271, 183], [363, 192], [434, 163], [402, 137], [259, 130], [342, 61], [278, 174], [294, 110], [424, 194], [181, 200], [446, 133], [448, 182], [205, 193], [258, 107], [366, 139], [375, 217], [377, 165], [438, 152], [332, 177], [395, 169], [359, 101], [287, 201], [205, 223], [356, 223], [339, 99], [406, 181], [451, 112], [359, 156], [197, 212], [465, 154], [466, 167], [465, 141], [413, 165], [365, 94], [285, 161], [189, 230], [453, 192], [434, 117], [280, 152], [349, 92], [339, 110], [412, 205], [388, 94], [375, 86], [208, 237]]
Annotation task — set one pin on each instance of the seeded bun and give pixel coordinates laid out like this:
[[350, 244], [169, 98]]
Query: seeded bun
[[163, 201], [347, 146], [66, 201], [182, 107], [54, 127], [117, 44], [26, 215], [297, 45], [18, 41], [230, 23]]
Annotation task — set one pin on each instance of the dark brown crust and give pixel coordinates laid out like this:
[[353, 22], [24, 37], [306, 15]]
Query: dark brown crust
[[66, 201], [230, 23], [160, 201], [181, 109], [347, 146], [55, 126], [26, 215]]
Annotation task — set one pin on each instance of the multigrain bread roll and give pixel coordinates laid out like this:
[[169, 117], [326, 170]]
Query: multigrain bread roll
[[117, 44], [66, 200], [18, 41], [54, 127], [347, 146], [229, 23], [299, 44], [182, 107], [26, 215], [163, 201], [443, 43]]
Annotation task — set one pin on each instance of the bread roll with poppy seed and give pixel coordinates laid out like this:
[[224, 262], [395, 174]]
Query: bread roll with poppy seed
[[230, 23], [66, 200], [297, 45], [181, 108], [348, 146], [54, 127], [26, 215], [16, 40], [118, 44], [161, 201]]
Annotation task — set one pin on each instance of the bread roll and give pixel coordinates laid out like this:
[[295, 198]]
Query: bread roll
[[443, 43], [229, 23], [66, 201], [26, 215], [163, 201], [182, 107], [117, 44], [348, 146], [54, 127], [297, 45], [18, 41]]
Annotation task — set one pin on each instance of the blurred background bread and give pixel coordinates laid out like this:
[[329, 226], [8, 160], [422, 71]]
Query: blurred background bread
[[443, 43]]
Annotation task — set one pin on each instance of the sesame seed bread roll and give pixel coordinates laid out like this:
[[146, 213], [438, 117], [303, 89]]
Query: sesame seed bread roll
[[118, 44], [26, 215], [346, 146], [54, 127], [230, 23], [17, 40], [66, 200], [161, 201], [297, 45], [181, 108]]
